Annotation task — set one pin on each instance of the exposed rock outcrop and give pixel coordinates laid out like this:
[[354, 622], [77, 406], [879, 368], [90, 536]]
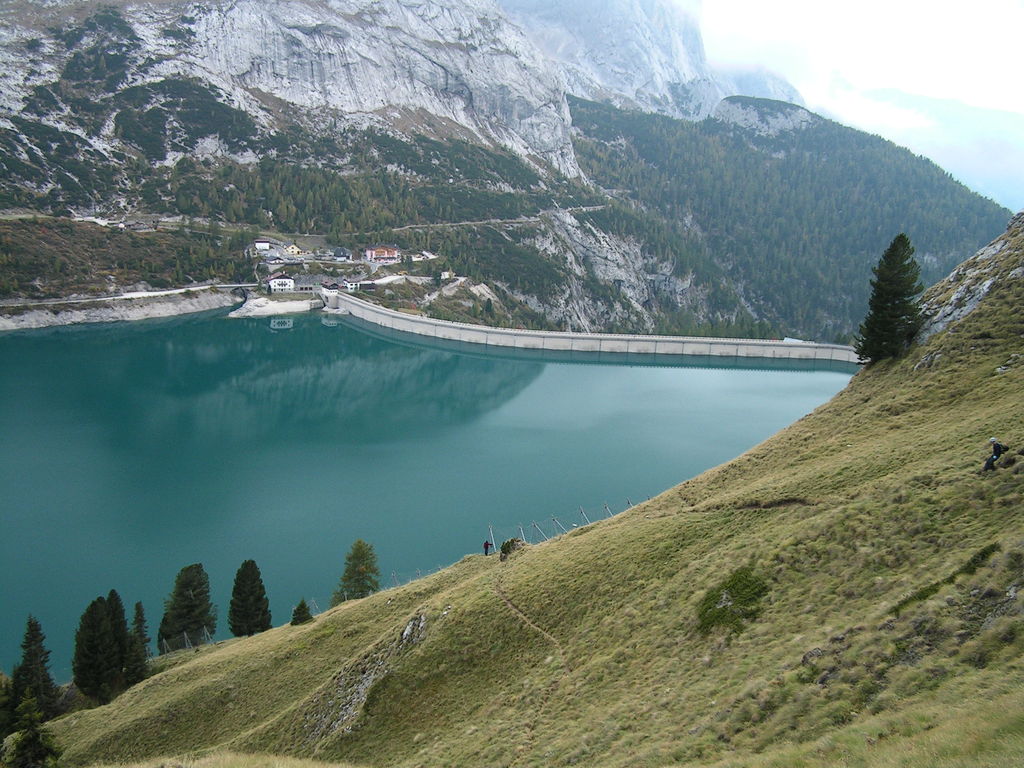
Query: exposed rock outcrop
[[764, 116], [338, 707], [644, 282], [112, 311], [963, 290]]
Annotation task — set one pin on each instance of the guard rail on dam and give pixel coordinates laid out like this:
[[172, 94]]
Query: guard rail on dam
[[603, 343]]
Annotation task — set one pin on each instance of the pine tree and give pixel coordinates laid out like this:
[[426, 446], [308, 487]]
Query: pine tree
[[33, 747], [136, 666], [32, 675], [893, 316], [139, 629], [118, 627], [6, 707], [361, 574], [249, 612], [96, 664], [188, 612], [301, 614]]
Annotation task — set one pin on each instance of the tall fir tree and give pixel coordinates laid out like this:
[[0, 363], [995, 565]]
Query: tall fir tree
[[894, 317], [118, 626], [361, 575], [249, 612], [136, 663], [139, 629], [188, 612], [33, 747], [96, 664], [33, 673]]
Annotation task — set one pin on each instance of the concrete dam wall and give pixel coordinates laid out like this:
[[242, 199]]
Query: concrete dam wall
[[564, 341]]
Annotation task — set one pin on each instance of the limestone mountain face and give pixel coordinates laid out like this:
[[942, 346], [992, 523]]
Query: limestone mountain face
[[453, 68], [643, 281], [645, 54], [764, 117]]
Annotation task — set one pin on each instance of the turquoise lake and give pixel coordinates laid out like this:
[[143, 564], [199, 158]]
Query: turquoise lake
[[131, 450]]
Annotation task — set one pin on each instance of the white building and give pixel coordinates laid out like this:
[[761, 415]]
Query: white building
[[280, 283], [353, 284], [383, 254]]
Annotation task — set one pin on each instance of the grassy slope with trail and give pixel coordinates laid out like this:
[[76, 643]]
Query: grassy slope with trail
[[587, 649]]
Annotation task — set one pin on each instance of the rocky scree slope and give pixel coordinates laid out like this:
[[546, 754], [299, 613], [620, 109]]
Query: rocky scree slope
[[827, 588]]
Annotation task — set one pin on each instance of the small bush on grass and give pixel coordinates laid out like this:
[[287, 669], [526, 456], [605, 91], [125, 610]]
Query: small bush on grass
[[735, 600], [301, 614], [509, 546]]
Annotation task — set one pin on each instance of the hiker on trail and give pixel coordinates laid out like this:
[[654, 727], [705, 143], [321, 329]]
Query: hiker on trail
[[997, 450], [487, 547]]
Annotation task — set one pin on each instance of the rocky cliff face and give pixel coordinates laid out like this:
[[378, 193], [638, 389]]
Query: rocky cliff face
[[645, 54], [452, 68], [960, 294], [641, 284]]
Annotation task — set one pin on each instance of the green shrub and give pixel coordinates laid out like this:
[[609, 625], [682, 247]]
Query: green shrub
[[509, 546], [301, 614], [734, 600]]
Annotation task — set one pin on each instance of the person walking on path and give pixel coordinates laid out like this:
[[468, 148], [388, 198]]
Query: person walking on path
[[997, 450], [487, 547]]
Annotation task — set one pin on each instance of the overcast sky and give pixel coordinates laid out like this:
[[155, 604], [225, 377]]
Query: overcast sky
[[943, 78]]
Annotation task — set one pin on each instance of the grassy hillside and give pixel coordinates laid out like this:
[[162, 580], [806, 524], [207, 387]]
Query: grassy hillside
[[845, 593]]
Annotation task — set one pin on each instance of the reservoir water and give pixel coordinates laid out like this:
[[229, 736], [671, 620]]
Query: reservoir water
[[128, 451]]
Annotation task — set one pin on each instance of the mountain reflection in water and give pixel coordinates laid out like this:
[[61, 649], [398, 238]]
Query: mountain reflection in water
[[246, 382]]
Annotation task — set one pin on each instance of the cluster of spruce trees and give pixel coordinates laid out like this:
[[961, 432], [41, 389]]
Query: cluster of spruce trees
[[110, 656]]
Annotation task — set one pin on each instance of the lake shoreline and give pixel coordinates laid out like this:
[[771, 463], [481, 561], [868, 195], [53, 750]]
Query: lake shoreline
[[261, 306], [142, 305]]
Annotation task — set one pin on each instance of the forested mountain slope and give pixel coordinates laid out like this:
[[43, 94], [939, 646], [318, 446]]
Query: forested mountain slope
[[460, 141], [793, 209], [847, 590]]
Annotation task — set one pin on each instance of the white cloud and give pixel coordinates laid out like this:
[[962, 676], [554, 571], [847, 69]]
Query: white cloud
[[865, 111], [936, 48]]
